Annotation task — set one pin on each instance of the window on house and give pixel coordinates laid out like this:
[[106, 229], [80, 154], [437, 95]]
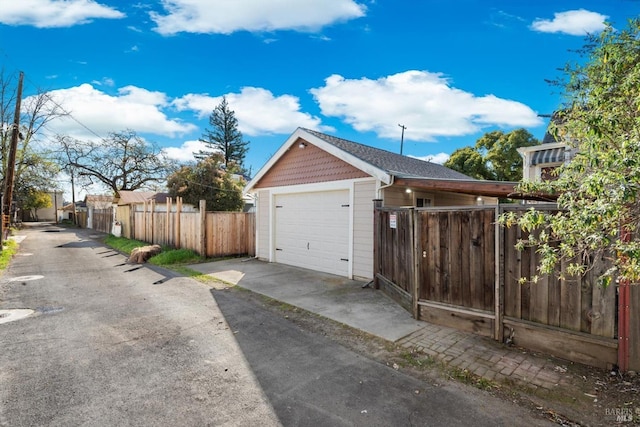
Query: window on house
[[422, 202]]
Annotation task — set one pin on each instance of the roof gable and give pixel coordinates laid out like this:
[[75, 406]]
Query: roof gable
[[375, 162], [305, 163], [127, 197]]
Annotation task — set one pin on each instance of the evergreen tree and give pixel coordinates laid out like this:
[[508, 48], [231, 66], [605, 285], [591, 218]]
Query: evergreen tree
[[224, 137]]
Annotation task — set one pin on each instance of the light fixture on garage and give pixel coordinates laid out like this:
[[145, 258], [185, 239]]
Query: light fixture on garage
[[302, 145], [408, 191]]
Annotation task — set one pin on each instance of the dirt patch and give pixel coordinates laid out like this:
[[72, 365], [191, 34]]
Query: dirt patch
[[595, 397]]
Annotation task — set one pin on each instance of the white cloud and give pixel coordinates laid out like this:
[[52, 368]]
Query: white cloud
[[54, 13], [439, 158], [184, 153], [226, 17], [258, 111], [424, 102], [574, 22], [133, 108]]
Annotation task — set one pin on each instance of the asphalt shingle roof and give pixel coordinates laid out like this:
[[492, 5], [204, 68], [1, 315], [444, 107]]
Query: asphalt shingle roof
[[392, 163]]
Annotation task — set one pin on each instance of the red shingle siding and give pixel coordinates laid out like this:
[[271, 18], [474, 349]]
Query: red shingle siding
[[308, 165]]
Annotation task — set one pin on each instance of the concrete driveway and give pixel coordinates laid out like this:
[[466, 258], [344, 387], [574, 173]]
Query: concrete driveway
[[334, 297]]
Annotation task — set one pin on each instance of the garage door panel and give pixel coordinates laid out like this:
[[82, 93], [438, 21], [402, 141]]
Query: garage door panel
[[312, 230]]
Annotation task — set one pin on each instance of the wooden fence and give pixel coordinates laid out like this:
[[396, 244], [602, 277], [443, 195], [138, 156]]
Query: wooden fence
[[212, 234], [457, 267], [102, 220]]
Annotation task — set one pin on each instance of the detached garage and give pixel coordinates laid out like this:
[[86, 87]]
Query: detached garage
[[314, 200]]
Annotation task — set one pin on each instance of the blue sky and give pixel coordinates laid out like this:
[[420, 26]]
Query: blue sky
[[448, 70]]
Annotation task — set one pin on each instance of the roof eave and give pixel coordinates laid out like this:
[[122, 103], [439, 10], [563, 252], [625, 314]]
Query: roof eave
[[473, 187]]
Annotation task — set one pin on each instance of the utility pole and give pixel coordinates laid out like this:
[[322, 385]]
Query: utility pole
[[73, 198], [402, 137], [11, 164]]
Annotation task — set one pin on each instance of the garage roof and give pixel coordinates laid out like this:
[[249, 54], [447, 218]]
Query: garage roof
[[381, 164], [392, 163]]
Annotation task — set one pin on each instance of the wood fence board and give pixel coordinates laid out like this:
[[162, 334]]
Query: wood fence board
[[556, 298], [477, 247], [435, 271], [468, 262], [512, 289], [540, 300], [453, 319], [443, 251], [571, 291], [586, 301], [603, 313], [424, 263], [527, 269], [568, 345], [489, 277], [455, 258]]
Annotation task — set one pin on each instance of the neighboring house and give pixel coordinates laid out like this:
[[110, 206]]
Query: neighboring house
[[68, 211], [52, 213], [137, 200], [314, 199], [97, 202], [540, 161]]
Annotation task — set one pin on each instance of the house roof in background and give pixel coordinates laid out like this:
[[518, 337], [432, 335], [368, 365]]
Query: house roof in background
[[93, 198], [127, 197]]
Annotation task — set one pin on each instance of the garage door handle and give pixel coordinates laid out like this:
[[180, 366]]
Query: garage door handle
[[307, 245], [344, 259], [278, 249]]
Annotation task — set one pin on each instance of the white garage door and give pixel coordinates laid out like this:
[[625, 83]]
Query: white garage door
[[312, 231]]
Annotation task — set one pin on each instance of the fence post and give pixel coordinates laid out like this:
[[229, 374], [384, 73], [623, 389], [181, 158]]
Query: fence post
[[167, 228], [377, 204], [177, 227], [153, 222], [498, 327], [203, 228]]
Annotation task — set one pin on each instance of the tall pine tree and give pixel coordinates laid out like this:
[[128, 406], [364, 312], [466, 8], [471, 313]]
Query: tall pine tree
[[224, 137]]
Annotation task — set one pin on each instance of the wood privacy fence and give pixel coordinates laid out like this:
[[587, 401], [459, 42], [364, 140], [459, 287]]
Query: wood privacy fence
[[102, 220], [211, 234], [457, 267]]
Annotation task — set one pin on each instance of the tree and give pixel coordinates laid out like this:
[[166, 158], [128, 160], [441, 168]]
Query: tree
[[32, 169], [598, 191], [34, 200], [469, 161], [495, 156], [224, 137], [123, 161], [209, 181]]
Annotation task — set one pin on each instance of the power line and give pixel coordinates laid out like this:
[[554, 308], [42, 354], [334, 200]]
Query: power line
[[67, 113]]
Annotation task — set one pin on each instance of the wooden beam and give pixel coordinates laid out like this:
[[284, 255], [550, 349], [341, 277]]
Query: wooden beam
[[476, 187]]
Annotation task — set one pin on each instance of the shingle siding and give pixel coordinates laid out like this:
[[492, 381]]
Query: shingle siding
[[308, 165]]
